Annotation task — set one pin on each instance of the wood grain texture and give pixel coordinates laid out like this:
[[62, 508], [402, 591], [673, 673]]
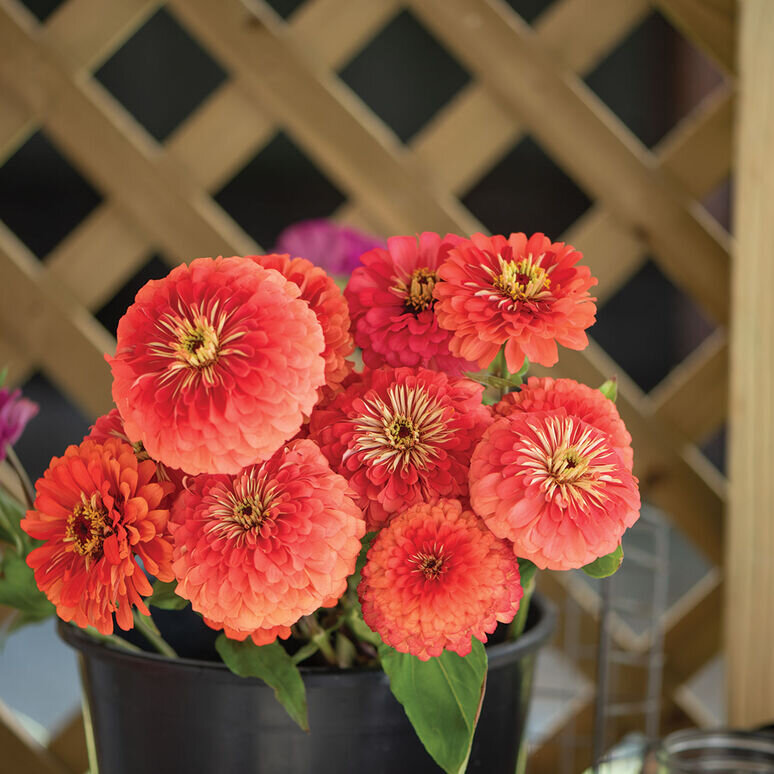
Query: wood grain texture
[[750, 545]]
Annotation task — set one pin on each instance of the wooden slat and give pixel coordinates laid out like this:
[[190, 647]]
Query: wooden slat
[[580, 32], [83, 33], [749, 566], [694, 397], [697, 152], [99, 256], [221, 137], [21, 754], [68, 746], [324, 118], [55, 330], [334, 30], [98, 135], [598, 151], [711, 24]]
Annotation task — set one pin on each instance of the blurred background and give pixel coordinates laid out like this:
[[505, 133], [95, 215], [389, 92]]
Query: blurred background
[[137, 134]]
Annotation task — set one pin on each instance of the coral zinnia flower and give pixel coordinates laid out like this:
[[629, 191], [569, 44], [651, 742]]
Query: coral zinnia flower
[[99, 510], [216, 365], [257, 551], [111, 425], [555, 486], [435, 577], [335, 248], [326, 301], [15, 412], [525, 293], [392, 305], [579, 400], [402, 436]]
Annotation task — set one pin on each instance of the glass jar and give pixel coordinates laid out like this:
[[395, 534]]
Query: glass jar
[[719, 752]]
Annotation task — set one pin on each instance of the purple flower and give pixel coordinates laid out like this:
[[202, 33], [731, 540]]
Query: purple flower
[[15, 412], [337, 249]]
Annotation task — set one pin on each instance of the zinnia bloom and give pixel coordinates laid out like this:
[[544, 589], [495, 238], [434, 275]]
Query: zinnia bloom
[[579, 400], [111, 425], [392, 305], [257, 551], [554, 486], [15, 412], [326, 301], [435, 577], [216, 365], [402, 436], [525, 293], [99, 510], [337, 249]]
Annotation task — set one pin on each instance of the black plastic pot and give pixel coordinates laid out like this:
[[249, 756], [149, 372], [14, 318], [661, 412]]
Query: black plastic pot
[[153, 714]]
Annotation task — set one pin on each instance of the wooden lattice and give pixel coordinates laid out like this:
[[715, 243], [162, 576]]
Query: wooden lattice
[[282, 75]]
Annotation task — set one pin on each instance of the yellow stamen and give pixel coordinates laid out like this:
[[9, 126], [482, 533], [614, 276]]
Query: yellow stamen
[[417, 290], [524, 280], [86, 527]]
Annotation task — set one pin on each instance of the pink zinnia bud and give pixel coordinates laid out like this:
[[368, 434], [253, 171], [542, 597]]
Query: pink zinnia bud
[[15, 412]]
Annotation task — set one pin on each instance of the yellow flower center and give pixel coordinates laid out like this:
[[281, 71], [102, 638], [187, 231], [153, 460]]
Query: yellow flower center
[[240, 512], [417, 290], [250, 512], [403, 433], [197, 343], [568, 465], [524, 280], [86, 527], [407, 429]]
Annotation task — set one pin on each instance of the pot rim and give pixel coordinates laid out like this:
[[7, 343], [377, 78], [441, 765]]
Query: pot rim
[[497, 655]]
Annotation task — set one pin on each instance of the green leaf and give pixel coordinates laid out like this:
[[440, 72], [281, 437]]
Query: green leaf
[[605, 566], [19, 590], [3, 375], [164, 596], [442, 699], [610, 389], [527, 572], [365, 543], [272, 664]]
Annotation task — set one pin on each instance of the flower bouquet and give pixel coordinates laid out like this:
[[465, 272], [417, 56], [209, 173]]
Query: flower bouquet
[[317, 515]]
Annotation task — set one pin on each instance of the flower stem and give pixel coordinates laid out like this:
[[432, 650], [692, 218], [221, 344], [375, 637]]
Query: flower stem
[[520, 621], [311, 628], [24, 480], [112, 639], [145, 624]]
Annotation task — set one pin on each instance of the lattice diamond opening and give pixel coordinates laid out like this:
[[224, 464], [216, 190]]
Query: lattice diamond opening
[[111, 312], [63, 422], [660, 98], [405, 75], [37, 183], [161, 74], [278, 187], [666, 324], [525, 190]]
